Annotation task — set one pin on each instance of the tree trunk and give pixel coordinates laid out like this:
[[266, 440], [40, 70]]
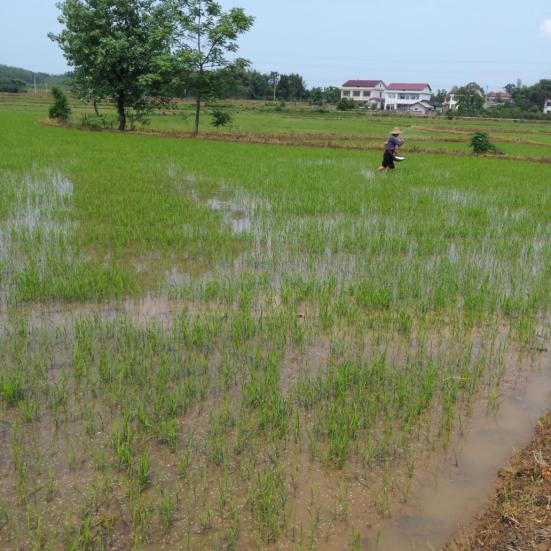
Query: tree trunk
[[197, 113], [95, 104], [121, 111]]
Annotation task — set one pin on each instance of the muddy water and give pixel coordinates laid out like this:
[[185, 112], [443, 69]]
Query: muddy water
[[449, 495], [140, 312]]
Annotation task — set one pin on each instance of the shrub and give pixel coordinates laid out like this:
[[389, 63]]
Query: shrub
[[60, 110], [481, 143], [346, 104], [96, 122], [220, 118]]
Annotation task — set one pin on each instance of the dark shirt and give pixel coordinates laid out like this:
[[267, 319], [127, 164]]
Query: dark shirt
[[392, 142]]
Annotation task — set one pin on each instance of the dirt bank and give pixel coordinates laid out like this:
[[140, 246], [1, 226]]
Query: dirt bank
[[518, 517]]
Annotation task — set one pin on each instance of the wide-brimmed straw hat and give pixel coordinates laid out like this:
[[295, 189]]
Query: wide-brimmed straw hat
[[396, 130]]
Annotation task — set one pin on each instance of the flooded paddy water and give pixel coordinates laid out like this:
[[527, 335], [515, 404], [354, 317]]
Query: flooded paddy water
[[286, 397]]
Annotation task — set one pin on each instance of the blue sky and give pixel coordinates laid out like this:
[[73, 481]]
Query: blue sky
[[443, 42]]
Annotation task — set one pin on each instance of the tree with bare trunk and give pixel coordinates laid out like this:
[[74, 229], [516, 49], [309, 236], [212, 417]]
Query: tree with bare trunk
[[119, 49], [204, 37]]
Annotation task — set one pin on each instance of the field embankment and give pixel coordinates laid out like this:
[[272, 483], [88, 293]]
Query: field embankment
[[519, 514]]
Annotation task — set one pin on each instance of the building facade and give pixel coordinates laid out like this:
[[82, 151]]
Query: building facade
[[497, 98], [369, 92], [547, 107], [402, 96], [451, 102]]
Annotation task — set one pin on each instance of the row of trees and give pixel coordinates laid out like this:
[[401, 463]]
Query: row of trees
[[140, 53], [530, 98], [525, 100], [246, 83], [28, 78], [12, 85]]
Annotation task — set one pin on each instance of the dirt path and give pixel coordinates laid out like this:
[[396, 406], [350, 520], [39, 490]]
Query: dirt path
[[518, 517]]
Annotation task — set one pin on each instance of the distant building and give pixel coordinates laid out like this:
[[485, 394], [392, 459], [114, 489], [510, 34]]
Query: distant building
[[405, 98], [497, 98], [421, 108], [547, 107], [451, 102], [369, 92], [401, 97]]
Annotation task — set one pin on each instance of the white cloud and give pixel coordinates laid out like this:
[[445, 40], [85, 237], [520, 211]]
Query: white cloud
[[546, 28]]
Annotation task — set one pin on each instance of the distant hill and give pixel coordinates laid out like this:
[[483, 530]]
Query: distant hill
[[26, 76]]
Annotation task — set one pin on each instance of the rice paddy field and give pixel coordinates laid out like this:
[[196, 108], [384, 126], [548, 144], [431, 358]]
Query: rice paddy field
[[208, 344]]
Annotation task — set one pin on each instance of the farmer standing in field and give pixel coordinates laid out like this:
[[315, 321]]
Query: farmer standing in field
[[390, 150]]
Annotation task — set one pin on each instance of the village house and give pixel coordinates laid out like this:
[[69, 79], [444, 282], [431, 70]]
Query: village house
[[547, 107], [497, 98], [408, 98], [451, 102], [365, 91]]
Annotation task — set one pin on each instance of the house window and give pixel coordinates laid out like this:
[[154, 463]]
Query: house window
[[346, 93], [356, 93], [367, 94]]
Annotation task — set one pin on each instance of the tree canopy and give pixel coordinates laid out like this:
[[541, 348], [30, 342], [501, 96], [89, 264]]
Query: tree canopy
[[470, 99], [530, 98], [203, 37], [117, 48]]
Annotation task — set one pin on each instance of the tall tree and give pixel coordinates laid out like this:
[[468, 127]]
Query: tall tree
[[316, 96], [260, 86], [297, 87], [118, 48], [205, 35], [274, 78], [440, 96], [332, 94], [470, 99], [284, 89]]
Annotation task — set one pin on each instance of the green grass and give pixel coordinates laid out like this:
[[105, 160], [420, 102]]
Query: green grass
[[312, 325]]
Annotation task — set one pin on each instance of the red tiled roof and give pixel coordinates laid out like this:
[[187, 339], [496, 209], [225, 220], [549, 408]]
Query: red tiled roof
[[361, 83], [504, 95], [413, 86]]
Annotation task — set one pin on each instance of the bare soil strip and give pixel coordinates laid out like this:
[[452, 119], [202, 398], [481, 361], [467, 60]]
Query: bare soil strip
[[470, 130]]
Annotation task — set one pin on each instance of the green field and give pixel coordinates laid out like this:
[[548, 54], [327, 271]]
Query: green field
[[218, 345]]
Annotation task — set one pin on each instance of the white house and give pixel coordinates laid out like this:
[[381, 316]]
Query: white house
[[547, 107], [366, 91], [451, 101], [400, 96]]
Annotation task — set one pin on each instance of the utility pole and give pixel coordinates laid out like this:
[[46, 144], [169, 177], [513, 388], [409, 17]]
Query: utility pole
[[34, 75], [274, 77]]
